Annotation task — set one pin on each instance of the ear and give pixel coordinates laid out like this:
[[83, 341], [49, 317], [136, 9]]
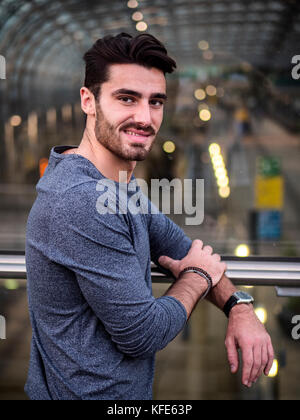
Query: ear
[[88, 104]]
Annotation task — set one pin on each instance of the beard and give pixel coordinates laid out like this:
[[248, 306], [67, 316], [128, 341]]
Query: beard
[[106, 134]]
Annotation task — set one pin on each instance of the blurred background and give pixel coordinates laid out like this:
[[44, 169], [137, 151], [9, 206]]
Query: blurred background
[[232, 119]]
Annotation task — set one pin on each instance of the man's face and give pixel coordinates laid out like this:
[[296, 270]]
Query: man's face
[[129, 111]]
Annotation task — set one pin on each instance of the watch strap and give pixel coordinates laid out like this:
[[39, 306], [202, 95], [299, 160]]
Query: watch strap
[[231, 302], [235, 300]]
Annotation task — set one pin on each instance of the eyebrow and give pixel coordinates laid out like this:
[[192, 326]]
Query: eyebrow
[[138, 94]]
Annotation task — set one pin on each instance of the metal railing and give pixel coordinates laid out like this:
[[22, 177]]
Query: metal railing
[[282, 273]]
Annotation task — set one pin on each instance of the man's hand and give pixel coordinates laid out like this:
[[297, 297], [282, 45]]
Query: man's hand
[[247, 333], [189, 288], [199, 256]]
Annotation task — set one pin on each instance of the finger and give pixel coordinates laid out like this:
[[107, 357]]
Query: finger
[[232, 355], [166, 262], [256, 367], [247, 358], [223, 266], [270, 358], [217, 257], [208, 250], [197, 243], [264, 360]]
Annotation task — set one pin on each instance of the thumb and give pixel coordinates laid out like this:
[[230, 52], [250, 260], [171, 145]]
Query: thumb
[[232, 355], [166, 262]]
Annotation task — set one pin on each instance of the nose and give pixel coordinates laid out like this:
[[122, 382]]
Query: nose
[[143, 114]]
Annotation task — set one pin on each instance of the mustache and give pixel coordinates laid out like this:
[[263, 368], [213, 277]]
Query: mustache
[[146, 129]]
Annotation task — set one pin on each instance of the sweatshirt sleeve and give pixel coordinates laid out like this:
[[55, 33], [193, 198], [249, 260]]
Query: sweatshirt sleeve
[[166, 238], [98, 249]]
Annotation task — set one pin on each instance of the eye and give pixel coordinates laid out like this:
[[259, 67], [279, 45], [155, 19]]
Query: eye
[[126, 99], [157, 103]]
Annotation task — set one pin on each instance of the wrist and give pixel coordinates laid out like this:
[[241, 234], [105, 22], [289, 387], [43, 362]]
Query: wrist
[[239, 298], [195, 282], [188, 289], [203, 275], [241, 308]]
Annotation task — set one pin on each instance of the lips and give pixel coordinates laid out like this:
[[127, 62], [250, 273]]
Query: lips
[[137, 135], [139, 129], [136, 138]]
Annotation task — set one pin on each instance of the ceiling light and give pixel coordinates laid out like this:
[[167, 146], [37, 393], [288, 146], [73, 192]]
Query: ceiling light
[[205, 115], [132, 4], [203, 45], [242, 251], [137, 16], [15, 120], [200, 94], [224, 192], [141, 26], [211, 90]]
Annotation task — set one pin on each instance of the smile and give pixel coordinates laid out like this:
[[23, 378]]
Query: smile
[[131, 133], [137, 137]]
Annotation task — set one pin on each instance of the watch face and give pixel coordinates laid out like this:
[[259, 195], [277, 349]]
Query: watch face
[[243, 296]]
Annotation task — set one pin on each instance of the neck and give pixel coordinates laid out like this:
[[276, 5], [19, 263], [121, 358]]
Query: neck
[[105, 161]]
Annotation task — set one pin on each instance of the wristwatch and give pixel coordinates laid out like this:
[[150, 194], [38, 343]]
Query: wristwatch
[[236, 299]]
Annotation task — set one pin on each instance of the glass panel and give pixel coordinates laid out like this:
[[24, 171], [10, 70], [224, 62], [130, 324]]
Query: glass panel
[[15, 336], [232, 119], [236, 87], [194, 366]]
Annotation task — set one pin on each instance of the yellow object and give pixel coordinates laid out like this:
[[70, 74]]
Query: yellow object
[[214, 149], [269, 193], [200, 94], [169, 147], [205, 115], [274, 369], [224, 192], [242, 251], [242, 115], [261, 314]]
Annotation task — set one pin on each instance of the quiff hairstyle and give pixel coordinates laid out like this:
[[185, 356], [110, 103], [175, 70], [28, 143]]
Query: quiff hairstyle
[[143, 49]]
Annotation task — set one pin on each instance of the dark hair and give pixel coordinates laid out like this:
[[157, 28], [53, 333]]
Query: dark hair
[[143, 49]]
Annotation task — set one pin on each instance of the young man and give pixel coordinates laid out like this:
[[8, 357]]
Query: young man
[[96, 325]]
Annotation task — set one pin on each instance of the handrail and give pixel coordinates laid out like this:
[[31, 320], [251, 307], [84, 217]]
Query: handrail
[[253, 271]]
